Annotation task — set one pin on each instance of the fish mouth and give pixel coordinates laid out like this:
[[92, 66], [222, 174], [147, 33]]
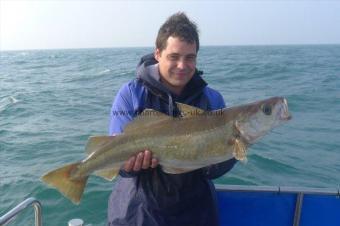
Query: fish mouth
[[284, 112]]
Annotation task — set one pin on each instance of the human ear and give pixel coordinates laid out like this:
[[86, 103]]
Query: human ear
[[157, 54]]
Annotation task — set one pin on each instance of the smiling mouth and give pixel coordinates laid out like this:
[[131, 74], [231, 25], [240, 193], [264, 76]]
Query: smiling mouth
[[181, 74]]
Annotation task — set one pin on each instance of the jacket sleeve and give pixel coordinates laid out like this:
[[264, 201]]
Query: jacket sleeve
[[217, 170], [122, 112]]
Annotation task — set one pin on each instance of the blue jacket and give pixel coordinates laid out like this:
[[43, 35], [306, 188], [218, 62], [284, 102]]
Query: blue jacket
[[152, 197]]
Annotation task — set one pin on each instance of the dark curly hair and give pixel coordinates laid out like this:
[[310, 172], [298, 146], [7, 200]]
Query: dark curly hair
[[178, 25]]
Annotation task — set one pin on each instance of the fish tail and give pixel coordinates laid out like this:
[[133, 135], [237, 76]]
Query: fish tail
[[61, 179]]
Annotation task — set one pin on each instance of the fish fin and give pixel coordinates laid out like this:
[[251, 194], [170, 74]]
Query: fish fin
[[146, 119], [240, 150], [174, 170], [61, 180], [188, 111], [107, 174], [237, 127], [96, 142]]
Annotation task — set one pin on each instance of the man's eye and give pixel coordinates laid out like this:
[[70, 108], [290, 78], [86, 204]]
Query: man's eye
[[173, 58], [191, 58]]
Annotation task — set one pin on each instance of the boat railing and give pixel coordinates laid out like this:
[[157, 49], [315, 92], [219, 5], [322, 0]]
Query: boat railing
[[10, 215]]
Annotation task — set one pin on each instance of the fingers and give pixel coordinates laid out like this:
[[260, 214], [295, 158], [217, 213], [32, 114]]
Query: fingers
[[147, 159], [138, 162], [154, 163], [143, 160], [128, 165]]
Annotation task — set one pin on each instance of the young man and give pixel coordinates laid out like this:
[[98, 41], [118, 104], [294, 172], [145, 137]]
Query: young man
[[143, 193]]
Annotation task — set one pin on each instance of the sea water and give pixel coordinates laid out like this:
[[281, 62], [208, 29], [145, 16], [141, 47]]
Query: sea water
[[51, 101]]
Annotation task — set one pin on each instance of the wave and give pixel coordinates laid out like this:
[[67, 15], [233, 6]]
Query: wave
[[6, 102], [24, 53], [20, 62], [104, 72]]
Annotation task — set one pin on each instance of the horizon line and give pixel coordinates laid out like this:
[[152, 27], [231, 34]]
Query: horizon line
[[201, 46]]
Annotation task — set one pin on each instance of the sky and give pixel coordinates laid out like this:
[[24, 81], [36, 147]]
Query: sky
[[64, 24]]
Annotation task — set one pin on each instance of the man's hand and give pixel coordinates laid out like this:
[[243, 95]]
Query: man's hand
[[142, 160]]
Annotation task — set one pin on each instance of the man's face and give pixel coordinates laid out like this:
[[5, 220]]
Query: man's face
[[177, 63]]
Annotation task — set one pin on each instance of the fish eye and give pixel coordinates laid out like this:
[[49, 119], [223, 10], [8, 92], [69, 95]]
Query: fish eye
[[267, 109]]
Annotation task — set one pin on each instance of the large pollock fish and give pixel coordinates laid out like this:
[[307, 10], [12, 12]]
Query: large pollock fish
[[194, 140]]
